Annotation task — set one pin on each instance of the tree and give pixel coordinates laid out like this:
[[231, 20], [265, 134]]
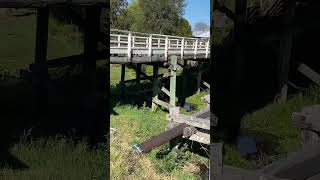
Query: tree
[[157, 16], [201, 26], [117, 11], [162, 16], [184, 28]]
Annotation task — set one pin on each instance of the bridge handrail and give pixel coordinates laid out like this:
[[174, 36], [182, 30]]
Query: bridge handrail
[[147, 43]]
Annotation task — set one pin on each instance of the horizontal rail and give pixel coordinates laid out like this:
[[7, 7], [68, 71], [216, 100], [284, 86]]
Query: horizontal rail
[[132, 44]]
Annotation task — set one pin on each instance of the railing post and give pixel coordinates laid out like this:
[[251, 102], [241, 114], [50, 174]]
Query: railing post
[[207, 48], [150, 47], [182, 48], [166, 48], [196, 49], [147, 42], [133, 39], [129, 46], [119, 41]]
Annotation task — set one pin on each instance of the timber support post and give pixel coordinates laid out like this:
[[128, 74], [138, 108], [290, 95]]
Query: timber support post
[[92, 27], [173, 77], [138, 74], [155, 90], [184, 80], [199, 78], [285, 56], [40, 70], [123, 75]]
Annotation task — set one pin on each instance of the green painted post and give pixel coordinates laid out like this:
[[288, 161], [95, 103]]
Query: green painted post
[[173, 78], [155, 86]]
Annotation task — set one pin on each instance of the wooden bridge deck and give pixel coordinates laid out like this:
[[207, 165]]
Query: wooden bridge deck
[[135, 47]]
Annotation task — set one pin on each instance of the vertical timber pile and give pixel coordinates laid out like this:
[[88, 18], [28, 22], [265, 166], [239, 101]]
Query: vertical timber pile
[[155, 86], [172, 107], [199, 74], [123, 76], [285, 54], [173, 77], [92, 27], [138, 74], [40, 70]]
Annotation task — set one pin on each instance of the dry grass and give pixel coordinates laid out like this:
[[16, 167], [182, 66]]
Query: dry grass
[[124, 163]]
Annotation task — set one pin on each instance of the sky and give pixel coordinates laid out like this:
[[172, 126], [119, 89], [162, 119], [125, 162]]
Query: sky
[[197, 11]]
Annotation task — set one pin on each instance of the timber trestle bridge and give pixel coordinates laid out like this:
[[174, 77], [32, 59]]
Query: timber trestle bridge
[[136, 47], [164, 51]]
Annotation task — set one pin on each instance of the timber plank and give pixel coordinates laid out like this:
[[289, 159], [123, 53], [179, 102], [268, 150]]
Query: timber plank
[[311, 74]]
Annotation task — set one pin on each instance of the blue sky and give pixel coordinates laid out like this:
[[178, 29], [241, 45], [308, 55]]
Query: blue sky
[[196, 11]]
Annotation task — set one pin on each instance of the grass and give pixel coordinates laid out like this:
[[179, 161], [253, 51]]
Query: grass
[[272, 128], [134, 125], [56, 158]]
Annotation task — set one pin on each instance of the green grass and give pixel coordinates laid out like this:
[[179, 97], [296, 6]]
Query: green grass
[[18, 41], [272, 128], [56, 158], [134, 125]]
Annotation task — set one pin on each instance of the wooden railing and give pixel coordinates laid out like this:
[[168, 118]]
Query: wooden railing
[[132, 44]]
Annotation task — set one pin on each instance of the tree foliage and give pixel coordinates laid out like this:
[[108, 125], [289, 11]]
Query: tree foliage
[[201, 26], [117, 10], [154, 16]]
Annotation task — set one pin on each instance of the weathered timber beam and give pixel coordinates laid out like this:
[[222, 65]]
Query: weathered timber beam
[[308, 72], [193, 121], [161, 103], [200, 137], [70, 60], [160, 139], [167, 92], [50, 3], [206, 84]]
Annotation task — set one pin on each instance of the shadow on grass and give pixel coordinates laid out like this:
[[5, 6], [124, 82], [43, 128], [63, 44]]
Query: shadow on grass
[[71, 112], [186, 86]]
